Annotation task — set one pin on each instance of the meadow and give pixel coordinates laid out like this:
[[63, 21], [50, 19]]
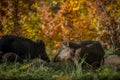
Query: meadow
[[38, 69]]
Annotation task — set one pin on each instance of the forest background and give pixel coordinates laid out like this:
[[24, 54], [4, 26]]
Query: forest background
[[56, 20]]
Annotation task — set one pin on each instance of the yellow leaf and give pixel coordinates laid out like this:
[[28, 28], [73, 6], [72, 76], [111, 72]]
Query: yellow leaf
[[76, 8]]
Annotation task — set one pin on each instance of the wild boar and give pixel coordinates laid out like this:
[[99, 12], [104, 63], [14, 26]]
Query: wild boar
[[91, 51], [23, 47], [1, 53]]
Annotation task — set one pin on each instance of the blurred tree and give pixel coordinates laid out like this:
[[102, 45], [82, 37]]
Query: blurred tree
[[57, 20], [109, 22]]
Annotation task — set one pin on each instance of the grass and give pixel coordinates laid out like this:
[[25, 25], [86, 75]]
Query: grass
[[38, 69], [111, 51], [34, 70]]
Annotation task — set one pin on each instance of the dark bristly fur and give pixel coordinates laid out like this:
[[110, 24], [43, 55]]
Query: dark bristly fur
[[23, 47], [72, 51]]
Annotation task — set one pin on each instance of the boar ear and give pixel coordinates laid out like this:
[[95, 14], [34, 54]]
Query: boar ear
[[66, 43]]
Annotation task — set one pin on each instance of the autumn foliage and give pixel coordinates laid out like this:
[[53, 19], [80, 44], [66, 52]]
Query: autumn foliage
[[57, 20]]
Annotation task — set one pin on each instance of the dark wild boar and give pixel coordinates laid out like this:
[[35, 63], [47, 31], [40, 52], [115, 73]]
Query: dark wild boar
[[71, 51], [23, 47], [1, 53]]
